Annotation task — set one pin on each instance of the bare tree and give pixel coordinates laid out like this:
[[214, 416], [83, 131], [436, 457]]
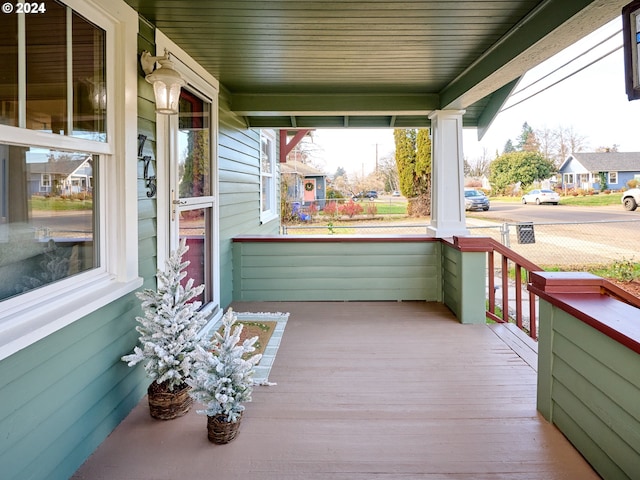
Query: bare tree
[[569, 141], [388, 172], [548, 143], [480, 167]]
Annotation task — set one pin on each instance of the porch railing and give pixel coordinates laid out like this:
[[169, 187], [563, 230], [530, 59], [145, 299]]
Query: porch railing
[[501, 261], [521, 268], [516, 285]]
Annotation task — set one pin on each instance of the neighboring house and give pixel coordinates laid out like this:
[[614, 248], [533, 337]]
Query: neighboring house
[[62, 177], [305, 184], [583, 170]]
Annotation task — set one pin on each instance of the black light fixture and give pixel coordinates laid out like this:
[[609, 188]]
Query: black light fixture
[[631, 39]]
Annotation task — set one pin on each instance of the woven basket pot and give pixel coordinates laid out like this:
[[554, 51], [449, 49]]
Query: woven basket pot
[[165, 404], [220, 431]]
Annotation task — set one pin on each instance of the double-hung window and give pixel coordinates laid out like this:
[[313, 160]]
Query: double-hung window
[[612, 178], [268, 179], [64, 250]]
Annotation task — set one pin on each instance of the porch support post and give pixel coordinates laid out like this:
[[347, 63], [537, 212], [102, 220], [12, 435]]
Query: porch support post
[[447, 175]]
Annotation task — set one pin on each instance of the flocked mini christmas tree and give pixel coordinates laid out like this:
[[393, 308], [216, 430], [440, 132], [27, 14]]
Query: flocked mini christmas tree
[[223, 377], [169, 328]]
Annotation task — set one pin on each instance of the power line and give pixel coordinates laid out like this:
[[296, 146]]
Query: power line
[[562, 79], [602, 42]]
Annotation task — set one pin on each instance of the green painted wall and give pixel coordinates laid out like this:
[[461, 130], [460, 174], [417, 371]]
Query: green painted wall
[[464, 283], [239, 186], [589, 386], [301, 271], [60, 397]]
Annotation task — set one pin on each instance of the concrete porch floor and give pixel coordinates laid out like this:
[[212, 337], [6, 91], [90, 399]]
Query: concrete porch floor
[[367, 390]]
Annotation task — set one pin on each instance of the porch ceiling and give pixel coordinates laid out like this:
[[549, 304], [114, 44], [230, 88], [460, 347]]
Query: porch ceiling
[[380, 63]]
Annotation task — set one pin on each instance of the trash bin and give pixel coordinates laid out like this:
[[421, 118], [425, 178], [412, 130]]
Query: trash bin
[[525, 232]]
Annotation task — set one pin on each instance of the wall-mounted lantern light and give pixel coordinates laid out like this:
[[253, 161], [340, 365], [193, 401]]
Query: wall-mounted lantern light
[[166, 81]]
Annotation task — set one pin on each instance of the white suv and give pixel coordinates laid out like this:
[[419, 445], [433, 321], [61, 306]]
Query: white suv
[[631, 199]]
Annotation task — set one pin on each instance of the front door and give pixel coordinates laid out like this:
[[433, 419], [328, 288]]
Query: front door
[[193, 200]]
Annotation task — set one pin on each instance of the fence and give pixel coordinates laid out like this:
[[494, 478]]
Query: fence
[[546, 244]]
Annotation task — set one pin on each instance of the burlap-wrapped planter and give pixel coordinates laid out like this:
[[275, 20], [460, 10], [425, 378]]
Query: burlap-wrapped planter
[[165, 404], [220, 431]]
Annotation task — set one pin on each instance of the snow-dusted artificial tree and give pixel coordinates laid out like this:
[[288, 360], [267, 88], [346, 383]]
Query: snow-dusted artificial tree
[[169, 328], [223, 376]]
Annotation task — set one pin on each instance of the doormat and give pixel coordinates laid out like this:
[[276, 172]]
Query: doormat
[[268, 327]]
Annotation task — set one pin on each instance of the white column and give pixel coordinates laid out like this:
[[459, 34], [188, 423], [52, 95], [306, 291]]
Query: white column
[[447, 175]]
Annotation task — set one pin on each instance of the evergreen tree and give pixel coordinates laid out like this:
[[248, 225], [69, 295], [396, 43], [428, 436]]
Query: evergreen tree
[[524, 138], [508, 147], [405, 141], [413, 159], [169, 328], [223, 380]]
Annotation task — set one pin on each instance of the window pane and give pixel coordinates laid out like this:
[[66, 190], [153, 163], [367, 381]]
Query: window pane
[[89, 84], [9, 70], [47, 217], [266, 154], [266, 193], [46, 61], [267, 159], [193, 228], [194, 158]]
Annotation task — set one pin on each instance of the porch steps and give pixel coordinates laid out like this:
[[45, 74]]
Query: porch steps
[[523, 345]]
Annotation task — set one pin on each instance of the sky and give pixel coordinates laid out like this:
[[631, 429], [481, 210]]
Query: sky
[[593, 102]]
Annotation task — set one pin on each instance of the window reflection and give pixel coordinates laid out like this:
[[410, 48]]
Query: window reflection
[[64, 67], [9, 71], [193, 229], [193, 143], [47, 217]]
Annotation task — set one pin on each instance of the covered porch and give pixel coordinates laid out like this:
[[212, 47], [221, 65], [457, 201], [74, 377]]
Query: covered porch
[[366, 390]]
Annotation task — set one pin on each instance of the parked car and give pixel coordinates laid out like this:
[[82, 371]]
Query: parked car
[[396, 193], [371, 195], [631, 199], [540, 196], [475, 200]]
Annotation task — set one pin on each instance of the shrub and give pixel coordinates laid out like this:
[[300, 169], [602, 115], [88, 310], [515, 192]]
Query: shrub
[[331, 209], [372, 209], [623, 270], [312, 209], [350, 209]]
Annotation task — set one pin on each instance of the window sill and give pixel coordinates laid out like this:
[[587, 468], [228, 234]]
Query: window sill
[[268, 217], [22, 327]]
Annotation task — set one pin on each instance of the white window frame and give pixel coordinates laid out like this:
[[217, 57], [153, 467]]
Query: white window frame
[[609, 178], [29, 317], [267, 215], [45, 182]]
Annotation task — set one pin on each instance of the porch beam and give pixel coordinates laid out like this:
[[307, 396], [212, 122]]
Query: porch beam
[[256, 104]]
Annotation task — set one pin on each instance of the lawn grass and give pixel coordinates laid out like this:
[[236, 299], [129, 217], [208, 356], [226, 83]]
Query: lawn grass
[[59, 203], [599, 200], [391, 208]]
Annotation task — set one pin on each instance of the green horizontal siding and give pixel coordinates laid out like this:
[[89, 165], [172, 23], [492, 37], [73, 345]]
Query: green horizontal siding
[[464, 283], [589, 387], [336, 271], [239, 190], [62, 396]]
